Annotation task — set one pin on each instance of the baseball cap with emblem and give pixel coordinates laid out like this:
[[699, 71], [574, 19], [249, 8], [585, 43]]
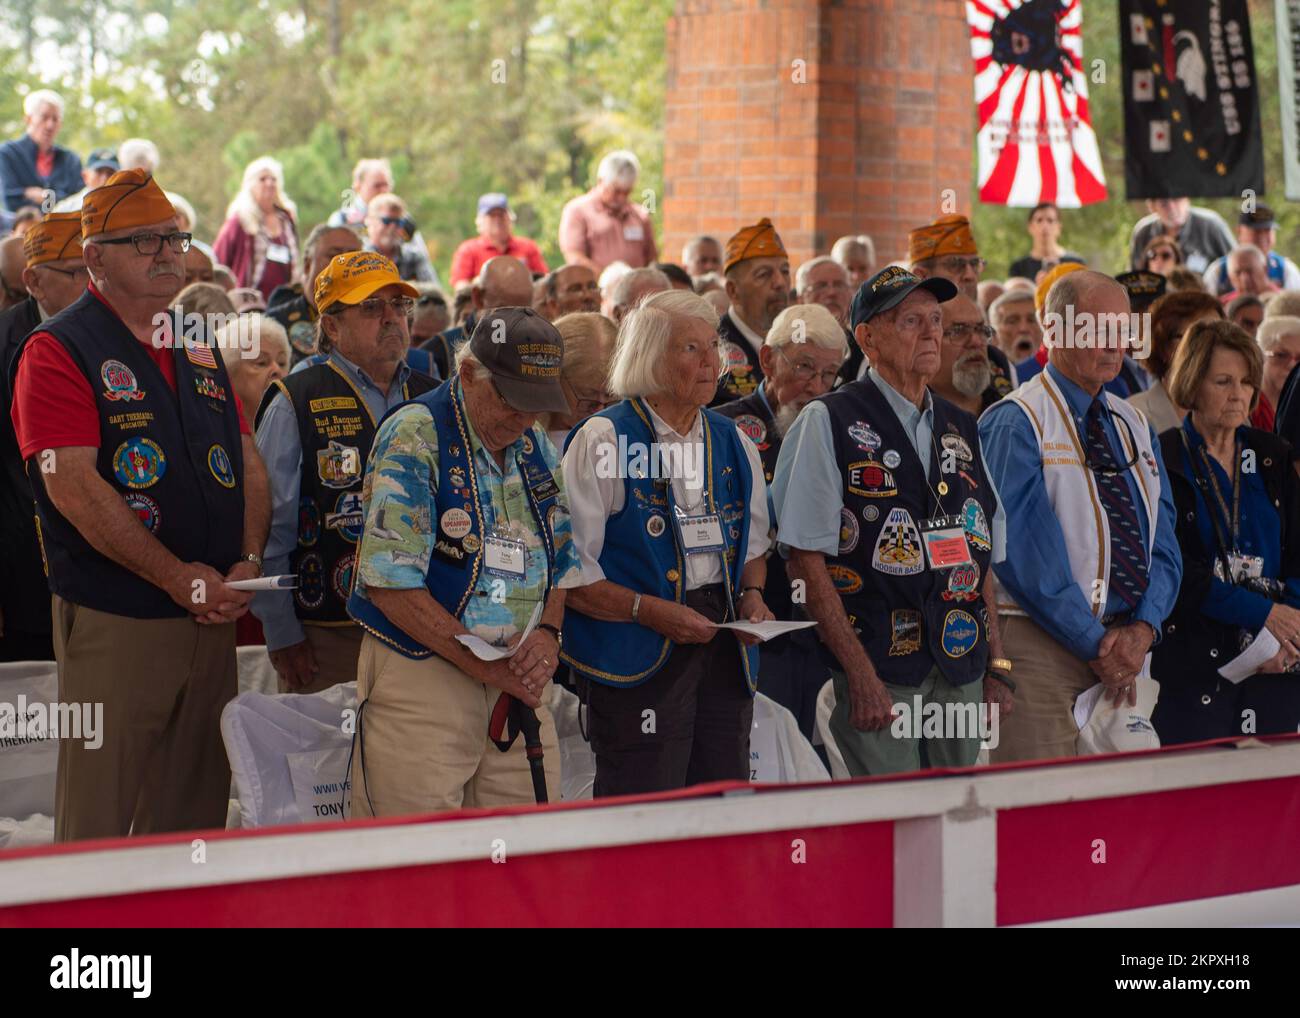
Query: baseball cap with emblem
[[889, 287], [523, 352], [491, 202], [102, 159], [353, 276], [1143, 288]]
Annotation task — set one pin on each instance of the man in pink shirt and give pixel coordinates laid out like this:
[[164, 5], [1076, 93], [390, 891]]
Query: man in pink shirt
[[494, 238], [602, 226]]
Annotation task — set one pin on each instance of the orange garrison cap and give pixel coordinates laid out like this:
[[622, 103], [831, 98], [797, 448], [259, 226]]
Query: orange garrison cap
[[353, 276], [54, 238], [758, 241], [130, 198], [947, 235]]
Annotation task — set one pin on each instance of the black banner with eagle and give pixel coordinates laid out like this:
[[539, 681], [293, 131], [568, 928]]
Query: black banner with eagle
[[1191, 100]]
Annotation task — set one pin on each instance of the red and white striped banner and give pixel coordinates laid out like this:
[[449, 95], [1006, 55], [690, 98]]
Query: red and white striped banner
[[1035, 141]]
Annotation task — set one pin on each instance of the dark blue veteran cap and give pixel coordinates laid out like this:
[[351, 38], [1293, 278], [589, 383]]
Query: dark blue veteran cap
[[888, 287]]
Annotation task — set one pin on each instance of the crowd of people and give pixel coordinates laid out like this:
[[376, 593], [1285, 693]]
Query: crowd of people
[[985, 494]]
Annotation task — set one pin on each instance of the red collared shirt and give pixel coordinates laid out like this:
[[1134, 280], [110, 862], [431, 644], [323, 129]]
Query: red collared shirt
[[54, 405], [590, 227], [470, 256]]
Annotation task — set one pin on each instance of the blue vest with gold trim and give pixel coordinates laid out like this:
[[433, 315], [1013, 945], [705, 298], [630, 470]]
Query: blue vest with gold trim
[[454, 566], [644, 555]]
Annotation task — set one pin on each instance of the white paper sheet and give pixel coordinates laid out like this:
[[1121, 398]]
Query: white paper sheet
[[1249, 661], [264, 583], [484, 651], [764, 630]]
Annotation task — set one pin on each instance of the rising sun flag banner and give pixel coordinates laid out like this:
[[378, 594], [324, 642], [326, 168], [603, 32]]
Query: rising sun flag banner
[[1035, 142]]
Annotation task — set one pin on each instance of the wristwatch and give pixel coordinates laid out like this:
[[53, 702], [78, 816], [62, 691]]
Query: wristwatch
[[254, 558]]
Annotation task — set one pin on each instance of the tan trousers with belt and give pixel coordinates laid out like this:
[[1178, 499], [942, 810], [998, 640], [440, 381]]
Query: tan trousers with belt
[[422, 740], [1048, 679], [162, 765], [336, 649]]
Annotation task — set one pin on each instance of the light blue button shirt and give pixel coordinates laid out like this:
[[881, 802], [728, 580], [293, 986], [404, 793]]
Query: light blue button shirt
[[808, 484], [281, 449]]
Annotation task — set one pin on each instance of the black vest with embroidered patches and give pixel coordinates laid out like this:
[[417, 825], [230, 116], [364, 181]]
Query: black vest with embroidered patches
[[740, 361], [754, 420], [910, 618], [336, 432], [174, 458]]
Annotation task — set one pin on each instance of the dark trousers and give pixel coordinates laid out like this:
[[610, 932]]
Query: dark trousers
[[698, 728]]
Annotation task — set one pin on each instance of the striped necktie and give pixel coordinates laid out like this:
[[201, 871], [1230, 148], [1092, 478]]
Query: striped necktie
[[1128, 553]]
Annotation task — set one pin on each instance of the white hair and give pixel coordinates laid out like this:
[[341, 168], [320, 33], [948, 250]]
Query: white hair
[[42, 97], [609, 278], [183, 207], [805, 270], [621, 167], [1016, 295], [814, 323], [138, 154], [633, 284], [1254, 252], [846, 246], [240, 339], [1273, 329], [364, 166], [644, 338], [245, 206]]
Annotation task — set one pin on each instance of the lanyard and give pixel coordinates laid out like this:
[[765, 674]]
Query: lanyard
[[1215, 518], [1221, 503]]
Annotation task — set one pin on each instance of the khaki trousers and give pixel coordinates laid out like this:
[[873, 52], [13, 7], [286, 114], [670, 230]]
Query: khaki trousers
[[336, 649], [1048, 679], [422, 740], [162, 765]]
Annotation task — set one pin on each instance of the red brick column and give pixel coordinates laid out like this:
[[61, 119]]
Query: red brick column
[[830, 116]]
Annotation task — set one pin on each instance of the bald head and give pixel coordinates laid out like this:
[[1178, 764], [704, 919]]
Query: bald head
[[503, 282], [12, 263]]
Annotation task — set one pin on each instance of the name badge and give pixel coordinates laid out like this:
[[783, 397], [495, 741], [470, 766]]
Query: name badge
[[1245, 567], [700, 534], [944, 539], [633, 231], [504, 557], [278, 253]]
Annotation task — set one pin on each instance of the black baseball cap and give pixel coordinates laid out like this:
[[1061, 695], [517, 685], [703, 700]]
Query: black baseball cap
[[1143, 288], [523, 353], [1260, 219], [887, 289]]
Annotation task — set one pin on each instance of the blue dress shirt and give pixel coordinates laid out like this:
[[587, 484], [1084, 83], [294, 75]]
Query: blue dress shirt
[[1038, 574]]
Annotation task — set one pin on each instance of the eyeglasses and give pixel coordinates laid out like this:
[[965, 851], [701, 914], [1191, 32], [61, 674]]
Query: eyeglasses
[[806, 372], [587, 401], [151, 243], [373, 307], [956, 265], [577, 288], [431, 299], [1160, 254], [959, 332], [1291, 358]]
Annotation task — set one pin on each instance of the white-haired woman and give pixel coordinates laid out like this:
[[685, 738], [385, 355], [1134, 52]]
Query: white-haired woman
[[588, 349], [256, 351], [1279, 338], [670, 525], [259, 240]]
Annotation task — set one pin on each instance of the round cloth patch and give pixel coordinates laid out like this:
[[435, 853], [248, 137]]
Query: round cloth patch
[[119, 382], [302, 337], [343, 576], [849, 532], [734, 357], [146, 509], [220, 465], [655, 525], [960, 632], [139, 463], [310, 592], [752, 428], [347, 517], [870, 513], [846, 581]]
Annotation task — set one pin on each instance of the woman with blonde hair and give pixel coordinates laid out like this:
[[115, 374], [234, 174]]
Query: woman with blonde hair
[[259, 240], [588, 348]]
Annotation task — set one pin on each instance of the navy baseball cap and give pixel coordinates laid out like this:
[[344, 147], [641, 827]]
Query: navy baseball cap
[[491, 202], [887, 289], [102, 158]]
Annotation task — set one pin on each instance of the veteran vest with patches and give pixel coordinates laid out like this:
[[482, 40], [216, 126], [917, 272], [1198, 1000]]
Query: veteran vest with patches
[[299, 320], [740, 361], [754, 419], [174, 458], [641, 551], [910, 618], [456, 517], [336, 432]]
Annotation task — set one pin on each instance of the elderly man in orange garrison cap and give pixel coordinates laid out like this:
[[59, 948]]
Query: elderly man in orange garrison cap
[[758, 283], [54, 277], [151, 500]]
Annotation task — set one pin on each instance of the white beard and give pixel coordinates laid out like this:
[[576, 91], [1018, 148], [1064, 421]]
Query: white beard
[[971, 376], [783, 418]]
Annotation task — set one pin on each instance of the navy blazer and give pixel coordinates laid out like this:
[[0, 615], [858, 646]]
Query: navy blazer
[[18, 172]]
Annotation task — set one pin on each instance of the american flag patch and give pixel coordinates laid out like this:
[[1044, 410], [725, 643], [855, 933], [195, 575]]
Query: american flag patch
[[201, 355]]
